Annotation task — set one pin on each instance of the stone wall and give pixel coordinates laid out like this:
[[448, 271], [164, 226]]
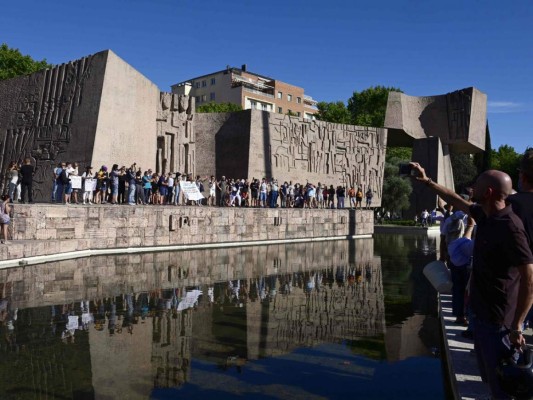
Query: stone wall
[[256, 144], [298, 149], [59, 229]]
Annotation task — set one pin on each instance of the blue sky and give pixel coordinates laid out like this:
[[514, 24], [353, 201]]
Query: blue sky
[[330, 48]]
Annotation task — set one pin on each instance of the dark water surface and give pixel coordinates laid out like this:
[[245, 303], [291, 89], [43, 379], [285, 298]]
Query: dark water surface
[[339, 319]]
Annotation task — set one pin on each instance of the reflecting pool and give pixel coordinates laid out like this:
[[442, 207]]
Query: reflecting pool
[[310, 320]]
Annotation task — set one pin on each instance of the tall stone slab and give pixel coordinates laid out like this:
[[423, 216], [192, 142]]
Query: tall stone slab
[[125, 132], [458, 118], [50, 116], [96, 110]]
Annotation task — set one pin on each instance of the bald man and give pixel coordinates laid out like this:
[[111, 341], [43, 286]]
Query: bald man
[[502, 274]]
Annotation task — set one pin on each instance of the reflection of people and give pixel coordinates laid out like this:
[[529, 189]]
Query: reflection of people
[[502, 274]]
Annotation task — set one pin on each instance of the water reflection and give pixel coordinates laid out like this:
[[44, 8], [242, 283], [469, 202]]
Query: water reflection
[[124, 326]]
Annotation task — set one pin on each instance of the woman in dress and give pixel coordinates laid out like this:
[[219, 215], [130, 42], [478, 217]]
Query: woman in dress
[[13, 177]]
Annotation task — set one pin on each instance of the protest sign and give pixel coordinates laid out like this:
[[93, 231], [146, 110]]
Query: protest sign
[[75, 181], [190, 191], [90, 185]]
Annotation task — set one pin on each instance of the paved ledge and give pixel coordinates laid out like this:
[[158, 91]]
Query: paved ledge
[[459, 352], [58, 256], [51, 231], [414, 230]]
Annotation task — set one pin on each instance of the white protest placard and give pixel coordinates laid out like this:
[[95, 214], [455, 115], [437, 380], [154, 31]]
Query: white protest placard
[[90, 185], [75, 181], [190, 191]]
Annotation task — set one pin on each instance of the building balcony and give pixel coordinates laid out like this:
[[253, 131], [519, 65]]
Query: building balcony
[[308, 100], [259, 92]]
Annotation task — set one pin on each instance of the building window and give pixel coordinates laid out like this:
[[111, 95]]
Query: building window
[[299, 114], [280, 110], [197, 85], [204, 97], [198, 99], [212, 96], [298, 100], [213, 81], [253, 104], [204, 83], [280, 95], [289, 97]]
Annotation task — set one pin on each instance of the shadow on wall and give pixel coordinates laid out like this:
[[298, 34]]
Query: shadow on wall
[[267, 151], [232, 146]]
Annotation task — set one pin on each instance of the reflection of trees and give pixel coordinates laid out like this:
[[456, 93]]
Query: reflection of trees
[[406, 289]]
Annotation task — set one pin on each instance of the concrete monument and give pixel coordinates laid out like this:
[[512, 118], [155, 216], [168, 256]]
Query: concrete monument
[[436, 126], [99, 110]]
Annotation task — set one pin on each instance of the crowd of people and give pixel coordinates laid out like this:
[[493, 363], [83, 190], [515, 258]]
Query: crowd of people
[[135, 186]]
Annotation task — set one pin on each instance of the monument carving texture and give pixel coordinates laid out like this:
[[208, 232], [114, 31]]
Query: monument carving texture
[[38, 114], [176, 150], [76, 112], [298, 149]]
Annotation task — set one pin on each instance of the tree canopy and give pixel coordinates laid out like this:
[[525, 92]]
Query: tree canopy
[[213, 107], [396, 190], [506, 159], [333, 112], [464, 171], [368, 107], [13, 63]]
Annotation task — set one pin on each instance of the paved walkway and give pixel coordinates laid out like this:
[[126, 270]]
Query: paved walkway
[[462, 367]]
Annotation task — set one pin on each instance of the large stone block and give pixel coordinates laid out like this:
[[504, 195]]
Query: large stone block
[[458, 119]]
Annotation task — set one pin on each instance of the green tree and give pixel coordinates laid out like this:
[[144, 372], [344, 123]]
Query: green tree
[[404, 154], [506, 159], [13, 63], [396, 190], [213, 107], [333, 112], [368, 107], [464, 171]]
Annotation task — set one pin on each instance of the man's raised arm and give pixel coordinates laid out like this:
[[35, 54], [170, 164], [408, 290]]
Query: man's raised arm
[[449, 196]]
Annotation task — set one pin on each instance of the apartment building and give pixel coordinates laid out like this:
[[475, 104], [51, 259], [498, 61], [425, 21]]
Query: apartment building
[[250, 90]]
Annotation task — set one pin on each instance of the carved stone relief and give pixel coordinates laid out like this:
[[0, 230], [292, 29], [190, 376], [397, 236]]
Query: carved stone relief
[[353, 154], [36, 113], [175, 134]]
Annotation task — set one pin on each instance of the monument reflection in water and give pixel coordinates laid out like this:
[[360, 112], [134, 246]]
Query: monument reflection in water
[[301, 320]]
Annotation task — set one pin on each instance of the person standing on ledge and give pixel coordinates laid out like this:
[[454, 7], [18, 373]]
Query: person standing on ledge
[[27, 170], [502, 274]]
